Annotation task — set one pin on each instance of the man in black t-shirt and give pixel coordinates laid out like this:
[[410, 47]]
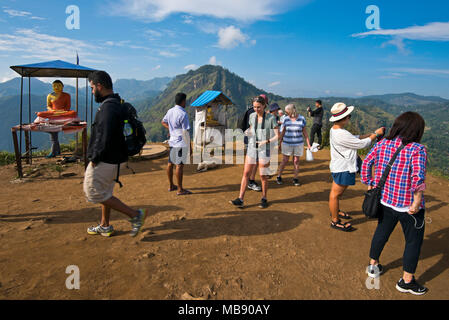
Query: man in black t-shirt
[[317, 115], [106, 153]]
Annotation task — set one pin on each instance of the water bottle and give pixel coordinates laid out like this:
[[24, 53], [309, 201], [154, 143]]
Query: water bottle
[[127, 129]]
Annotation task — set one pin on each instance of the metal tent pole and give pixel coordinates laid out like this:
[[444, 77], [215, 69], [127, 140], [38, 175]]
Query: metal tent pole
[[21, 120], [86, 101], [91, 110], [30, 146], [76, 106]]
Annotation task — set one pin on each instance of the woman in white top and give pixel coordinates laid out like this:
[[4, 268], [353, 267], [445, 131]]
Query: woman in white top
[[343, 165]]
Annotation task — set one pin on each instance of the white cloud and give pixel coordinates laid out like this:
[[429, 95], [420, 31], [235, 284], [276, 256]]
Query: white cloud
[[16, 13], [392, 75], [30, 44], [157, 67], [231, 37], [187, 19], [399, 44], [274, 84], [421, 71], [191, 67], [8, 76], [213, 61], [435, 31], [152, 34], [241, 10], [167, 54]]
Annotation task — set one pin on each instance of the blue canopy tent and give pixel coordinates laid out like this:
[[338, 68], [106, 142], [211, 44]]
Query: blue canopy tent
[[56, 69], [210, 119]]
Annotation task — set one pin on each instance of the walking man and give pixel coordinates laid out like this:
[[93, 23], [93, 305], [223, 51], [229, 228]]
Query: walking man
[[176, 120], [106, 152], [317, 115]]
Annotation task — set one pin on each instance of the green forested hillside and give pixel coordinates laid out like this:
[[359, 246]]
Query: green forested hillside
[[194, 83], [371, 112]]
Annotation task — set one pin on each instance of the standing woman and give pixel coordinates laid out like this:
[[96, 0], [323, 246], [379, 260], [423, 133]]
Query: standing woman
[[402, 196], [343, 165], [263, 131], [292, 141]]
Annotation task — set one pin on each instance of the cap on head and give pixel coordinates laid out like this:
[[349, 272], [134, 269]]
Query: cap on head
[[274, 107]]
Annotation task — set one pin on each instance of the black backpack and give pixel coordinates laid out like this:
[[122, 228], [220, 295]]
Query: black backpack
[[137, 140]]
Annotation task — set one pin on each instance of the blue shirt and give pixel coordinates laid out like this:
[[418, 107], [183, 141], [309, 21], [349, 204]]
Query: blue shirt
[[293, 130], [178, 121]]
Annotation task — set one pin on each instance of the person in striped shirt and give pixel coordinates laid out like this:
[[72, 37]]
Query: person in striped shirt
[[402, 196], [292, 141]]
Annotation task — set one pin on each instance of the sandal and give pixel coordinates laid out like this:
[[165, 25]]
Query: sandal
[[184, 192], [342, 227], [344, 215], [173, 189]]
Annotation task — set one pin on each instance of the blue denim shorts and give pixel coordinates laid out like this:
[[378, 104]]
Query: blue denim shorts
[[344, 178]]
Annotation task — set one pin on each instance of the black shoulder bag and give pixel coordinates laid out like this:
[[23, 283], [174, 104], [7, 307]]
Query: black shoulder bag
[[371, 205]]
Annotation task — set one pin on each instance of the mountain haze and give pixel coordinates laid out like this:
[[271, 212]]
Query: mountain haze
[[152, 99]]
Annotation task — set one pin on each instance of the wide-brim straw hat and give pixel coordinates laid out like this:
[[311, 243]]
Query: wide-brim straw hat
[[340, 111]]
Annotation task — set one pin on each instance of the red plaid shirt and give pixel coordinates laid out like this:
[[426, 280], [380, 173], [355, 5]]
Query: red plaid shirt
[[407, 174]]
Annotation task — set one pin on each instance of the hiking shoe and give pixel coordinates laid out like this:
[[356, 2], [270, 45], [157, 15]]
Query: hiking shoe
[[104, 231], [413, 287], [254, 186], [296, 182], [374, 271], [279, 180], [137, 222], [237, 202], [263, 203]]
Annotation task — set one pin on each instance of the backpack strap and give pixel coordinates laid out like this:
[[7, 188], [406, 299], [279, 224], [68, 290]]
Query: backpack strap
[[388, 168], [118, 174]]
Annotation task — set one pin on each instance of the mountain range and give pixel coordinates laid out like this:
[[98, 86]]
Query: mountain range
[[152, 99]]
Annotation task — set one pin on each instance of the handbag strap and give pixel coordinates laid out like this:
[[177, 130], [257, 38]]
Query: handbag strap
[[388, 168], [257, 123]]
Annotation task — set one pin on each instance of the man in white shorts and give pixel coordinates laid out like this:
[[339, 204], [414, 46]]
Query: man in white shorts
[[106, 152]]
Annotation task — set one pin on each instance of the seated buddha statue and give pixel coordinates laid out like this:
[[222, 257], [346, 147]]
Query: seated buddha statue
[[210, 117], [57, 101]]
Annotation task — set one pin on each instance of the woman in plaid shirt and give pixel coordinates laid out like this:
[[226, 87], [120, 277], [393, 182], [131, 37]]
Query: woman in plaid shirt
[[402, 196]]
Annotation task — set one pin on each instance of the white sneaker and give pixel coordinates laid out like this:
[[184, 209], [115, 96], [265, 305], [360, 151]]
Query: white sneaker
[[104, 231]]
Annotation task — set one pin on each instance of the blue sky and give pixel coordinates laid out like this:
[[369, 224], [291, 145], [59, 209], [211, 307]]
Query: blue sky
[[303, 48]]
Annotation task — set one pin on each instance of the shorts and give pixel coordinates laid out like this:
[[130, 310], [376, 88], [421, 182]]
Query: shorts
[[262, 155], [344, 178], [289, 150], [99, 181], [178, 155]]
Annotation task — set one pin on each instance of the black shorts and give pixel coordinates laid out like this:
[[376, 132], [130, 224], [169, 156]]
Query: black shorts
[[178, 155]]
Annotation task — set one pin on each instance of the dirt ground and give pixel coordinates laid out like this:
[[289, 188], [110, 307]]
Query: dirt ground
[[199, 245]]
